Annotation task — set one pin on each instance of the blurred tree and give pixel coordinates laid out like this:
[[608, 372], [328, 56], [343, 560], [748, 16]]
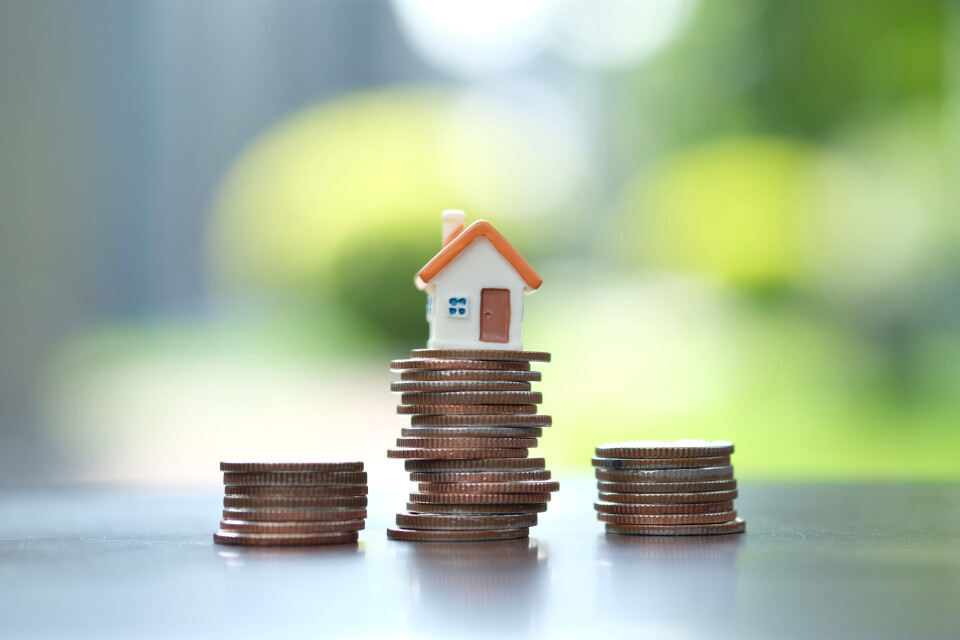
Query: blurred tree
[[373, 279]]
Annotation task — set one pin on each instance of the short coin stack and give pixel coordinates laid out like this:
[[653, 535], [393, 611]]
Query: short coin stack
[[292, 503], [655, 488], [473, 421]]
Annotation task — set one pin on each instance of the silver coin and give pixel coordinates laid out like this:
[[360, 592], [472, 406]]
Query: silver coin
[[665, 475]]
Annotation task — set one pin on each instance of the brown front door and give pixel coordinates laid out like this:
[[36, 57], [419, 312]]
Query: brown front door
[[495, 315]]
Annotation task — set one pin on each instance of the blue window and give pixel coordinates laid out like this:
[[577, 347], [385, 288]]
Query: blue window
[[458, 306]]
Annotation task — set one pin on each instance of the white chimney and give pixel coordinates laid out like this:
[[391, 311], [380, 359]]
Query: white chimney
[[452, 223]]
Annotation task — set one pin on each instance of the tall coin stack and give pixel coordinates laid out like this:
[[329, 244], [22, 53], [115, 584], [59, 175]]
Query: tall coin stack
[[292, 503], [655, 488], [473, 421]]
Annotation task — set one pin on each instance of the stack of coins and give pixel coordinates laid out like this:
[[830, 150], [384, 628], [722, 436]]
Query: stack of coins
[[473, 421], [292, 503], [654, 488]]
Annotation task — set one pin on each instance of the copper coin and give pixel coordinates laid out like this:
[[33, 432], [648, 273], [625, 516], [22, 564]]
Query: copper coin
[[243, 526], [296, 478], [467, 443], [268, 502], [686, 518], [396, 533], [295, 515], [472, 397], [477, 509], [734, 526], [471, 432], [488, 487], [283, 539], [463, 409], [459, 385], [432, 364], [297, 492], [454, 522], [667, 498], [665, 449], [667, 487], [318, 467], [459, 454], [481, 354], [482, 464], [421, 375], [503, 420], [656, 509], [477, 498], [481, 476], [660, 463], [665, 475]]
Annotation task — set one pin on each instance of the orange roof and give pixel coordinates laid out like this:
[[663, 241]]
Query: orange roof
[[462, 241]]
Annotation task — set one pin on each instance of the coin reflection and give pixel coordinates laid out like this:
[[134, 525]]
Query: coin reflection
[[239, 556], [478, 587], [659, 578]]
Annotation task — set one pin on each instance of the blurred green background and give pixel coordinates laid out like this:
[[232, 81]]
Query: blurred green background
[[745, 213]]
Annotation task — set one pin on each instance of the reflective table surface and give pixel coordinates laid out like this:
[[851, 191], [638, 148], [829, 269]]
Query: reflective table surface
[[839, 561]]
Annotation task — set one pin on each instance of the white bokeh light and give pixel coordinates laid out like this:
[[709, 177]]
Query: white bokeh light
[[542, 150], [475, 37], [608, 34]]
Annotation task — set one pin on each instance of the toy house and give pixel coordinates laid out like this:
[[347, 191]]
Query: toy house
[[475, 288]]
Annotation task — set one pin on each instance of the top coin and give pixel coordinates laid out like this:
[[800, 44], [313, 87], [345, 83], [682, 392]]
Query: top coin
[[443, 365], [292, 466], [665, 449], [481, 354]]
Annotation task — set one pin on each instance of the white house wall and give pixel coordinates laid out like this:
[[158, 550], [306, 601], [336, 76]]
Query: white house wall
[[479, 266]]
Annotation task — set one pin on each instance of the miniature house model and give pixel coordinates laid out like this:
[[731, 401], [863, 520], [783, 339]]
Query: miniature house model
[[475, 288]]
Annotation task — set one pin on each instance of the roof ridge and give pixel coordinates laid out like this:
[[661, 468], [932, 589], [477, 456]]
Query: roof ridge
[[466, 238]]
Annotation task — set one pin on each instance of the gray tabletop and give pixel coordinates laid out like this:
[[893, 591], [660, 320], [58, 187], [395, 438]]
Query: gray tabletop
[[817, 561]]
